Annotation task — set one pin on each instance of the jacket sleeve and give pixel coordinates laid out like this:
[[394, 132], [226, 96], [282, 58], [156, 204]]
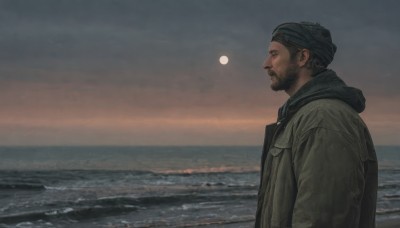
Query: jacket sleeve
[[330, 180]]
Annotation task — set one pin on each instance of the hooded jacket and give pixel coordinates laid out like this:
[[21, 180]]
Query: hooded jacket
[[319, 167]]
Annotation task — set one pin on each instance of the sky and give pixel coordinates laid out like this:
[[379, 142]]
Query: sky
[[146, 72]]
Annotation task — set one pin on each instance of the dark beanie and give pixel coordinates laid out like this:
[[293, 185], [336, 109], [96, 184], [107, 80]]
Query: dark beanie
[[311, 36]]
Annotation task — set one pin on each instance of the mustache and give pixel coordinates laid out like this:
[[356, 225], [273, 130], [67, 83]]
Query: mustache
[[271, 72]]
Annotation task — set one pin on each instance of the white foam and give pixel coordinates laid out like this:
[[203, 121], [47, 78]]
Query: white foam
[[24, 224], [55, 188], [61, 211]]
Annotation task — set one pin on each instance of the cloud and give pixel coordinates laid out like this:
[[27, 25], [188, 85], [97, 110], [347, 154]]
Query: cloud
[[75, 61]]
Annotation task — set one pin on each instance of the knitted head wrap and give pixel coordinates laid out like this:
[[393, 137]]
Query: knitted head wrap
[[311, 36]]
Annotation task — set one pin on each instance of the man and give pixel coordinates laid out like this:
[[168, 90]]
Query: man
[[319, 166]]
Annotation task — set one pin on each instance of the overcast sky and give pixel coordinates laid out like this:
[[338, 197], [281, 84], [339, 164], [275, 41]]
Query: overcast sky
[[146, 72]]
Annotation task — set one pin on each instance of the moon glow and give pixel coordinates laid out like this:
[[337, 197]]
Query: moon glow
[[223, 60]]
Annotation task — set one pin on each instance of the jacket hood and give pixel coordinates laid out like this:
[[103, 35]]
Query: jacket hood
[[324, 85]]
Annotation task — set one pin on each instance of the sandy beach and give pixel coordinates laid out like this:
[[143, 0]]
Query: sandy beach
[[394, 223]]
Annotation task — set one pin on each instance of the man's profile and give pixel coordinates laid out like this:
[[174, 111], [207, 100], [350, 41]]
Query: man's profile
[[319, 167]]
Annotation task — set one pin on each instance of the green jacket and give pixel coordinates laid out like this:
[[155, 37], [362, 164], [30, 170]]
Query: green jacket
[[319, 167]]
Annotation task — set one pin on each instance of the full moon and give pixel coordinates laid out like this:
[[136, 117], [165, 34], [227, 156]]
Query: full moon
[[223, 60]]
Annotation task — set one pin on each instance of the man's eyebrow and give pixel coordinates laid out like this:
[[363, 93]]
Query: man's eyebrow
[[273, 51]]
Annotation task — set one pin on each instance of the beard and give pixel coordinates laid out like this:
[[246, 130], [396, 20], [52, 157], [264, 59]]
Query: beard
[[284, 82]]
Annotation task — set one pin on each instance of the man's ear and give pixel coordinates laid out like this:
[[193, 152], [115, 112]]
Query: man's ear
[[304, 56]]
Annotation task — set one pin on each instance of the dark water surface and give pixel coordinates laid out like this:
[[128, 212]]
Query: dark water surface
[[147, 186]]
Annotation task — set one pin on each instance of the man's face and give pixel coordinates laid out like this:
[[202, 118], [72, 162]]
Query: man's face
[[281, 68]]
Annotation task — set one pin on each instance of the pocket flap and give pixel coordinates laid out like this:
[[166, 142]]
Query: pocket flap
[[283, 143], [275, 151]]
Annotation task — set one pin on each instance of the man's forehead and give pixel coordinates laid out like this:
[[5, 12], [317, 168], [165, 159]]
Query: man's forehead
[[275, 46]]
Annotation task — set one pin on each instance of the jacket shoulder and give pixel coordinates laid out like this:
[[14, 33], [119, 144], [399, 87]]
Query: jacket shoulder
[[331, 114]]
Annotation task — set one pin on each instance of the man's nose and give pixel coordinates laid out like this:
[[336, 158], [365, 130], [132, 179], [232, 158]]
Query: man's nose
[[267, 63]]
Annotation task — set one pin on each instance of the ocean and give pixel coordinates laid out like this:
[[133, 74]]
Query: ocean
[[182, 186]]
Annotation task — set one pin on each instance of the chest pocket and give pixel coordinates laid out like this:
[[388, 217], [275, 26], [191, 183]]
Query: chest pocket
[[281, 144]]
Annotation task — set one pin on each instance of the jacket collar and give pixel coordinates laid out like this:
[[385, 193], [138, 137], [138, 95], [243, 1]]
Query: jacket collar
[[325, 84]]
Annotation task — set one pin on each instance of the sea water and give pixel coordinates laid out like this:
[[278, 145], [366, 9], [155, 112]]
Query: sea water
[[147, 186]]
